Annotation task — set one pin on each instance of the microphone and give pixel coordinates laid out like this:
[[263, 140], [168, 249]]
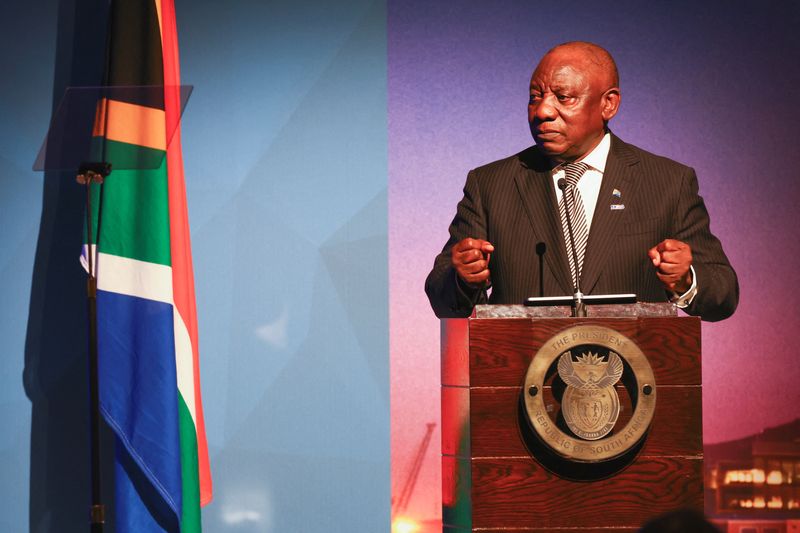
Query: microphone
[[541, 248], [578, 307]]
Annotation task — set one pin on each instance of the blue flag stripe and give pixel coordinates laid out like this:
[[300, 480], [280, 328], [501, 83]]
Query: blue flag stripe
[[138, 393]]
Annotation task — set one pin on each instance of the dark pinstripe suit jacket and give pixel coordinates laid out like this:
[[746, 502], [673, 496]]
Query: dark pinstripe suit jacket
[[512, 204]]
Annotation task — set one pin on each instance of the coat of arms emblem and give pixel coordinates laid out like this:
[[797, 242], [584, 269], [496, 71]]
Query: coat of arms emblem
[[590, 404], [590, 361]]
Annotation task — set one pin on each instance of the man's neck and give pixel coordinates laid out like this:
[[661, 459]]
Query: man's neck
[[595, 157]]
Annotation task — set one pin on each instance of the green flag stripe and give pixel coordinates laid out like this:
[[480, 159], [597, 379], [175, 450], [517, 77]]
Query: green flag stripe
[[134, 220], [190, 521], [125, 156]]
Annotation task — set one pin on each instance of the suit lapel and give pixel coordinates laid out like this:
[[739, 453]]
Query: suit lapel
[[619, 174], [535, 186]]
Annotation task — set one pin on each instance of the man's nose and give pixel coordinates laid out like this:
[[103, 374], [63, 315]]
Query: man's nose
[[544, 109]]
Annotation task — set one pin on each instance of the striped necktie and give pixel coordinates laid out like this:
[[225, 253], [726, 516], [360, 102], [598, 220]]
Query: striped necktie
[[571, 199]]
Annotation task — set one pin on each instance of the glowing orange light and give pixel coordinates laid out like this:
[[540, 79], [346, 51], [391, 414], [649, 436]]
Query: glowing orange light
[[404, 525], [775, 503], [752, 476], [775, 477]]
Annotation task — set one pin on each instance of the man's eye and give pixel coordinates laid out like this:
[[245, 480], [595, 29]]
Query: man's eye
[[534, 98]]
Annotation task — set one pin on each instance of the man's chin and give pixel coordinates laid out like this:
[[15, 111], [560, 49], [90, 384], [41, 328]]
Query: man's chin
[[554, 151]]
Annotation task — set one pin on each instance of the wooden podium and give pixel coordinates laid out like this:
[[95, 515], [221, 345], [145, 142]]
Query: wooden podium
[[497, 475]]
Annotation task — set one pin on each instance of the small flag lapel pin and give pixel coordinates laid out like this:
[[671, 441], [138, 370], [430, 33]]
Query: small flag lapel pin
[[617, 194]]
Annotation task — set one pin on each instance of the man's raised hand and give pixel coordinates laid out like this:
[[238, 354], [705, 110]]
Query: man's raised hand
[[470, 258]]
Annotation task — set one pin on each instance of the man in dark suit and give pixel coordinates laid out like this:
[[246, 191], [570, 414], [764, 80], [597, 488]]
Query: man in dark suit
[[648, 229]]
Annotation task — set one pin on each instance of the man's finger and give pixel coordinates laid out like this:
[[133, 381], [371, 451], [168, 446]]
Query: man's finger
[[675, 258], [673, 268], [473, 267], [477, 278], [470, 243], [469, 256], [654, 255], [463, 245], [668, 245]]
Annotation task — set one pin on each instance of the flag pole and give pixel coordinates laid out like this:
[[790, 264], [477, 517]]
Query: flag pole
[[89, 173]]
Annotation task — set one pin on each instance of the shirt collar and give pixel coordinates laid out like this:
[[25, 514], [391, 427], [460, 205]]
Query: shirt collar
[[596, 159]]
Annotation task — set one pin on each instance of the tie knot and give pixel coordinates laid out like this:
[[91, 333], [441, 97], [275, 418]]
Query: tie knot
[[574, 171]]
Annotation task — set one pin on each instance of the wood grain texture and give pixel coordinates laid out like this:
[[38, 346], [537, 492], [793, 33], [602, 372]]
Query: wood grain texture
[[676, 428], [500, 350], [520, 493]]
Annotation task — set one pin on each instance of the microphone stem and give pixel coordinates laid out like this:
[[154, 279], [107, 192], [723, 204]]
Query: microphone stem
[[578, 307]]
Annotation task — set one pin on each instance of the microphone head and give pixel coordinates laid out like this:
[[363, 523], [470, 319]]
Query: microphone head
[[562, 184]]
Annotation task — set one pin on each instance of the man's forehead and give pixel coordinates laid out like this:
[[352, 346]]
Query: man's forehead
[[567, 65], [592, 61], [559, 75]]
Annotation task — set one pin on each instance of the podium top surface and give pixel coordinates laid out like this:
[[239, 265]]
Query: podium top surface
[[636, 310]]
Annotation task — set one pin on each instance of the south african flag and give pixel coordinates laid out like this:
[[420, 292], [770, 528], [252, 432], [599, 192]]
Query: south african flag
[[149, 380]]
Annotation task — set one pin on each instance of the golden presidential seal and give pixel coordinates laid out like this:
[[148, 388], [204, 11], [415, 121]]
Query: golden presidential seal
[[590, 360]]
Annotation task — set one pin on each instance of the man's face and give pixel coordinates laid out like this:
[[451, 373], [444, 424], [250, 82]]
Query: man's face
[[568, 105]]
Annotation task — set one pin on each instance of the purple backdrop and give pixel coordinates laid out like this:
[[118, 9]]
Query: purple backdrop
[[713, 85]]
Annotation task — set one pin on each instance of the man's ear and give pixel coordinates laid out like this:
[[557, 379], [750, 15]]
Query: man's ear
[[610, 103]]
